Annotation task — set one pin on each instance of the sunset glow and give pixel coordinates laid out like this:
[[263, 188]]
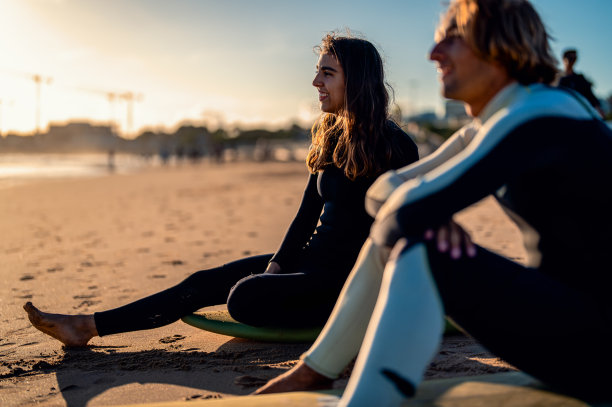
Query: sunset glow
[[225, 63]]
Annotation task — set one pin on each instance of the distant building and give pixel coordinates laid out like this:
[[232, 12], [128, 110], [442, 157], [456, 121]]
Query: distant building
[[78, 136], [425, 117], [453, 109]]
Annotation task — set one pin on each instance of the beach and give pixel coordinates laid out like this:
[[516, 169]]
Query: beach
[[81, 245]]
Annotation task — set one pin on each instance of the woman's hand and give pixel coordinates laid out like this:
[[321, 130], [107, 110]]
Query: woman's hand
[[452, 239], [273, 268]]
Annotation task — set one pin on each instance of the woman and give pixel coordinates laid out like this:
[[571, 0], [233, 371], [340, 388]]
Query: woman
[[352, 143]]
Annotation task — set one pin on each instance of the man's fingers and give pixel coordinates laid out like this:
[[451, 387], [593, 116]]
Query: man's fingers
[[456, 237], [442, 240]]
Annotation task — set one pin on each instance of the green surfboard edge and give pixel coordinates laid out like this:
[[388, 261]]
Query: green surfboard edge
[[220, 322]]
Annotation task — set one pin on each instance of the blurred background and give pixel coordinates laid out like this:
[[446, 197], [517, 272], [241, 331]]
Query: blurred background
[[220, 80]]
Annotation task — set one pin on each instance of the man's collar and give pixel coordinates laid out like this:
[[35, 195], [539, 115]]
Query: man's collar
[[502, 99]]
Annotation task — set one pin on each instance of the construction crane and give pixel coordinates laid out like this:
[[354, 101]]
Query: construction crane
[[129, 98], [110, 96], [113, 97], [39, 80]]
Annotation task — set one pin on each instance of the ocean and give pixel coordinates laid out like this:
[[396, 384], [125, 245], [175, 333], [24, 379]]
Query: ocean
[[16, 169]]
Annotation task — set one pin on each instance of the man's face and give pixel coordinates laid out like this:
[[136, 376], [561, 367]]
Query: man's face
[[465, 76]]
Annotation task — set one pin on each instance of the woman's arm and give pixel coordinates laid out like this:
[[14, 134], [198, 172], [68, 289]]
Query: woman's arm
[[302, 226]]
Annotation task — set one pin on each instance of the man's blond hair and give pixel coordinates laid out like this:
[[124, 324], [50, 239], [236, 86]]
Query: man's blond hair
[[507, 32]]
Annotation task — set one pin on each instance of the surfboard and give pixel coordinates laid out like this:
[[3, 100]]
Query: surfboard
[[218, 320], [511, 389]]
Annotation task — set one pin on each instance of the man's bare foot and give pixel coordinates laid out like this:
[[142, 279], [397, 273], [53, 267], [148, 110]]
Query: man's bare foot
[[71, 330], [299, 378]]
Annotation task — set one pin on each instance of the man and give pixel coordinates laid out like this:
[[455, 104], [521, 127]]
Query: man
[[551, 318], [576, 81]]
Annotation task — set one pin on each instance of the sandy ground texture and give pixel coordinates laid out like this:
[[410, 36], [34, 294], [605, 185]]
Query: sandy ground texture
[[83, 245]]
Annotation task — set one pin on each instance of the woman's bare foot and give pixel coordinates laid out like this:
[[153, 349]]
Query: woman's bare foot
[[299, 378], [71, 330]]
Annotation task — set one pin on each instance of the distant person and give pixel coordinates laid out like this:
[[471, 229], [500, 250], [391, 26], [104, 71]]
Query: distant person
[[352, 143], [551, 318], [179, 153], [110, 162], [164, 154], [573, 80]]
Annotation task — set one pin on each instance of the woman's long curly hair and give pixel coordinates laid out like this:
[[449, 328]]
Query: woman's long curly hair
[[356, 138]]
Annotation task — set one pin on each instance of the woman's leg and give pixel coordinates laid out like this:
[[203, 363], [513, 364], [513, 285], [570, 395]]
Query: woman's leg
[[289, 300], [339, 342], [203, 288]]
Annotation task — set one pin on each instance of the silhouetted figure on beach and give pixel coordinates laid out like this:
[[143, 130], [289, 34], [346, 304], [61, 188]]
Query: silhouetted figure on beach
[[111, 161], [576, 81]]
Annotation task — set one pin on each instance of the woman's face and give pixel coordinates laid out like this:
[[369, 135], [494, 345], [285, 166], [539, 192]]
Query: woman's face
[[329, 81]]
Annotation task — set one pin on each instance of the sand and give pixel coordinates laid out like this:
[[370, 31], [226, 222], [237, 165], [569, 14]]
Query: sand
[[83, 245]]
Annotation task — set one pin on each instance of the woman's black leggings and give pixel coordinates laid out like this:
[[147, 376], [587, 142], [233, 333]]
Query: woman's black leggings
[[252, 297]]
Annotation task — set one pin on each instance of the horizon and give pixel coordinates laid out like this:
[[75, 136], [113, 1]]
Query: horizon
[[228, 64]]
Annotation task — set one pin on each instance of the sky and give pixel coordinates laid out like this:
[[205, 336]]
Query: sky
[[238, 63]]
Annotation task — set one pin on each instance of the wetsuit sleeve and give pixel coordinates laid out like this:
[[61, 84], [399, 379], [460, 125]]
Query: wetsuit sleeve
[[384, 186], [430, 199], [302, 226]]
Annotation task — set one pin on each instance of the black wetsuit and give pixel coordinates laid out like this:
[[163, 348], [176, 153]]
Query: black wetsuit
[[581, 85], [315, 261], [548, 161]]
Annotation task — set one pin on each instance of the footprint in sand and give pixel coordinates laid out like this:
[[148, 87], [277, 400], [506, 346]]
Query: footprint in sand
[[174, 262], [28, 344], [83, 296], [203, 397], [250, 381], [172, 339], [86, 303]]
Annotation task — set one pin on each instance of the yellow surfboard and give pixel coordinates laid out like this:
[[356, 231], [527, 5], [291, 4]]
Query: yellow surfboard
[[512, 389]]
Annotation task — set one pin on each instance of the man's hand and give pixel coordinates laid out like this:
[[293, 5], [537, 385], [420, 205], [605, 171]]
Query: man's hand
[[452, 239]]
